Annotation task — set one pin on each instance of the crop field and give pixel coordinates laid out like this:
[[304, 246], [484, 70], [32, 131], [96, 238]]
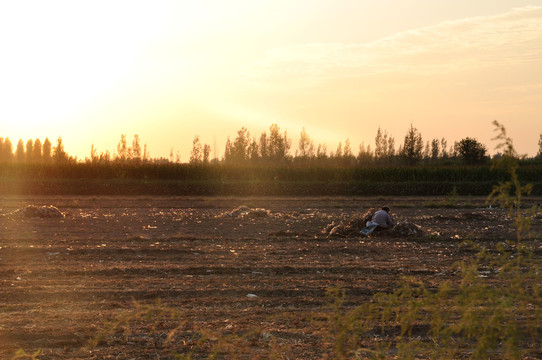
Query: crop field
[[207, 273]]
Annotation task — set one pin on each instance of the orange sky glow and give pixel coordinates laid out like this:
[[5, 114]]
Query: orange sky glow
[[89, 71]]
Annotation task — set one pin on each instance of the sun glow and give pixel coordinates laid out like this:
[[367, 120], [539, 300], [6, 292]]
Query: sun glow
[[90, 71], [62, 54]]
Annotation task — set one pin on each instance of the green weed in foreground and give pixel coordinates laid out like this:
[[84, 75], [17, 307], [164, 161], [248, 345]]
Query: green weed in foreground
[[493, 312], [168, 332], [21, 354]]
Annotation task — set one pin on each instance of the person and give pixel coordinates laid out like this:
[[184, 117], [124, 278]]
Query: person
[[383, 219]]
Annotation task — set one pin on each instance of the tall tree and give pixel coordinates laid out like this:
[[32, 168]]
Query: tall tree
[[146, 155], [47, 150], [539, 154], [384, 146], [59, 155], [435, 149], [364, 154], [321, 151], [391, 147], [306, 146], [381, 144], [427, 150], [29, 149], [443, 146], [412, 146], [123, 151], [93, 154], [263, 147], [7, 150], [253, 151], [279, 144], [238, 150], [135, 151], [347, 150], [206, 153], [471, 151], [196, 155], [339, 152], [36, 151], [19, 151]]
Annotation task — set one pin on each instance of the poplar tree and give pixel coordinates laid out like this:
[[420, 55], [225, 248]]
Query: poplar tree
[[412, 149], [306, 146], [196, 155], [36, 151], [19, 151], [7, 150], [59, 155], [29, 150]]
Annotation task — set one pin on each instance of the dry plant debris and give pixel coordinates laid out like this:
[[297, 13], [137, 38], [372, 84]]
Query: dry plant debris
[[46, 211]]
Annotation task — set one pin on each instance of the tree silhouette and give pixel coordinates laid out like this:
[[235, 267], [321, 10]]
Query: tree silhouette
[[59, 155], [263, 147], [206, 153], [196, 155], [384, 146], [123, 152], [444, 151], [321, 152], [435, 149], [135, 150], [238, 151], [278, 145], [471, 151], [46, 151], [412, 146], [19, 151], [36, 151], [6, 150], [29, 150], [339, 152], [381, 144], [365, 155], [306, 146], [253, 150]]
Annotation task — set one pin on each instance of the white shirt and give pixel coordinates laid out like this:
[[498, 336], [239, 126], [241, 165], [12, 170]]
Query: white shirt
[[383, 219]]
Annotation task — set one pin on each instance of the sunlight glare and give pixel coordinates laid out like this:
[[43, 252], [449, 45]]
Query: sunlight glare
[[64, 53]]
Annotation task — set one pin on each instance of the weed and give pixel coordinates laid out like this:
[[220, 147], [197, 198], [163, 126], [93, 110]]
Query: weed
[[167, 330], [21, 354], [472, 317]]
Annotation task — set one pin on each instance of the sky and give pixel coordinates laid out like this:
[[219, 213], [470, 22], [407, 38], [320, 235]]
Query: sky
[[91, 71]]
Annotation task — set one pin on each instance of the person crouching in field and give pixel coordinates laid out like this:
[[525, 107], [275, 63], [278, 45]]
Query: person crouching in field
[[383, 219]]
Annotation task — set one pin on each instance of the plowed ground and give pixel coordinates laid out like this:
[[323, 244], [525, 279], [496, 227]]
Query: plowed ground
[[62, 279]]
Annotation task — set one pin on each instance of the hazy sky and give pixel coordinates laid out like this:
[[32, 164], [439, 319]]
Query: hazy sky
[[89, 71]]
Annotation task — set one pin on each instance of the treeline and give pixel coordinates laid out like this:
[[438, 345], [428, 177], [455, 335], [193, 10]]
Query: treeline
[[275, 147], [267, 165], [33, 151], [272, 148]]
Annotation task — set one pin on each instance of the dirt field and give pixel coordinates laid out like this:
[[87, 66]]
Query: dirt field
[[63, 278]]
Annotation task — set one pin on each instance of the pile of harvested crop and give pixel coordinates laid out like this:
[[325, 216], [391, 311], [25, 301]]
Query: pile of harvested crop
[[245, 212], [46, 211], [405, 229], [356, 224]]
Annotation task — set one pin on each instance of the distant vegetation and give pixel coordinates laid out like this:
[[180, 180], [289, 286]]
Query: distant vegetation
[[265, 166]]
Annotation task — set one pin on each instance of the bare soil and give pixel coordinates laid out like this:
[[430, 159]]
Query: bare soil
[[63, 278]]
